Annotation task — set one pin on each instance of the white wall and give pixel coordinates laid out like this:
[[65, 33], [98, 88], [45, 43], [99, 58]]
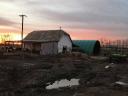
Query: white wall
[[64, 41]]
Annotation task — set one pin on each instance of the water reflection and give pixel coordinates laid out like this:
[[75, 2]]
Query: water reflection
[[63, 83]]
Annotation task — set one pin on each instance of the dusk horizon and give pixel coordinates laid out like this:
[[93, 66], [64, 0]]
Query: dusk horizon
[[83, 20]]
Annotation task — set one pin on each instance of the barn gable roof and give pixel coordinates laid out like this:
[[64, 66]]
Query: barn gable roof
[[45, 36]]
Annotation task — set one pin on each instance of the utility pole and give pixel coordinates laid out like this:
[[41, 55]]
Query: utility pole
[[22, 16], [60, 27]]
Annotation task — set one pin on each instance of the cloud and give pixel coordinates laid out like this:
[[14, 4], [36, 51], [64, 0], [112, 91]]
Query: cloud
[[7, 0], [104, 15], [6, 22], [84, 11], [99, 14], [86, 20]]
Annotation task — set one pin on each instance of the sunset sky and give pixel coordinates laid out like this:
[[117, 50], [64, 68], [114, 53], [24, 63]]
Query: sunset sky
[[82, 19]]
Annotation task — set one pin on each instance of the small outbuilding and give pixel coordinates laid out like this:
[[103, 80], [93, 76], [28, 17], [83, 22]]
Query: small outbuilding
[[48, 42], [90, 47]]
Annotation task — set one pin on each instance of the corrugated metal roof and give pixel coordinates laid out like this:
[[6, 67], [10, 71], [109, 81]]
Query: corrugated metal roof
[[88, 46], [45, 36]]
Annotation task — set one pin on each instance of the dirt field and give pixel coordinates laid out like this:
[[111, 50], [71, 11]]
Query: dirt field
[[29, 76]]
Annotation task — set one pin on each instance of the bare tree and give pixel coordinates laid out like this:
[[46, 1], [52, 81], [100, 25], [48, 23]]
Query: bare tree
[[5, 37]]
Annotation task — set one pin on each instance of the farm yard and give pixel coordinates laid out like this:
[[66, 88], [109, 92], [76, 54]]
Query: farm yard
[[49, 63], [30, 75], [63, 48]]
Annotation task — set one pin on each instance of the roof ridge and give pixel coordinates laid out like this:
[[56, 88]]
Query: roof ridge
[[46, 35], [48, 30]]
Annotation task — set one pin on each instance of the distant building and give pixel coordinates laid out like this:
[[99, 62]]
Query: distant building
[[48, 42]]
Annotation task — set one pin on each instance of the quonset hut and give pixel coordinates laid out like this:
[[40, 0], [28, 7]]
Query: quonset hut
[[48, 42], [90, 47]]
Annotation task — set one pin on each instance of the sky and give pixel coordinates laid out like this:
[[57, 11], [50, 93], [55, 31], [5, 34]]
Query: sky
[[82, 19]]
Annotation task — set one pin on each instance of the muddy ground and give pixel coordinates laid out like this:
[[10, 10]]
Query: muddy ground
[[28, 76]]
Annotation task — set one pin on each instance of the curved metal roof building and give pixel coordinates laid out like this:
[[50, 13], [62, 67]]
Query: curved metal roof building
[[90, 47]]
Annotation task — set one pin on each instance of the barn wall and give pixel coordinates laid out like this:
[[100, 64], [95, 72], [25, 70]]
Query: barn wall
[[36, 46], [49, 48], [33, 46], [65, 41], [28, 46]]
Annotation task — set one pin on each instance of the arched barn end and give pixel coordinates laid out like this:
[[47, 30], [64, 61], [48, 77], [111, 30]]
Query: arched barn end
[[90, 47]]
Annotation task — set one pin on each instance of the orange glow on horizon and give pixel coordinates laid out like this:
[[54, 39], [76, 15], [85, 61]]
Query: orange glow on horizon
[[13, 32], [12, 36], [76, 34], [90, 34], [85, 34]]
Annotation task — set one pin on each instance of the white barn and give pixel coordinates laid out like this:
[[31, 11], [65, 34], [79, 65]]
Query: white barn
[[48, 42]]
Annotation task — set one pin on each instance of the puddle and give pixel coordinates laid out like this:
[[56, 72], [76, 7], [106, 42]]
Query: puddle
[[121, 83], [63, 83]]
